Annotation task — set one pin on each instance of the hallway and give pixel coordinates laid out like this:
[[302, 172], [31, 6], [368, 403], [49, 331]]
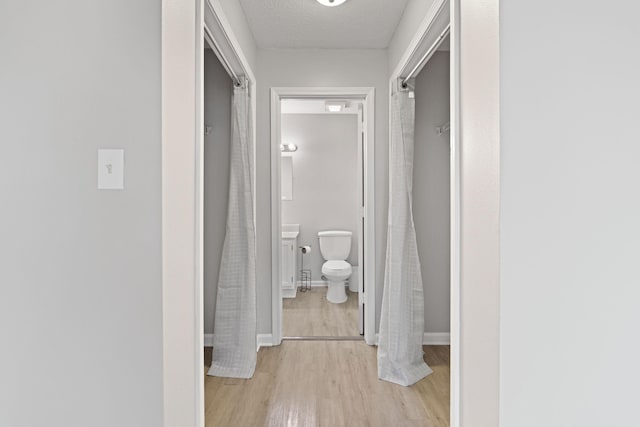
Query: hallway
[[327, 383], [310, 314]]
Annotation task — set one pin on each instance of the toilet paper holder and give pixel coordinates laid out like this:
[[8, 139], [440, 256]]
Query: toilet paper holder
[[305, 274]]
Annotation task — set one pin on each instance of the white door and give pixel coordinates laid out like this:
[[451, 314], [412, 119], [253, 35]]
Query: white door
[[361, 230]]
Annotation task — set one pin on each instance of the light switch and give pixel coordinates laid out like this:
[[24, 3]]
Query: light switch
[[110, 169]]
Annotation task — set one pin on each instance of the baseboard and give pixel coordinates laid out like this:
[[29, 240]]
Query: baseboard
[[431, 338], [320, 284], [263, 340], [289, 293], [316, 284], [436, 338]]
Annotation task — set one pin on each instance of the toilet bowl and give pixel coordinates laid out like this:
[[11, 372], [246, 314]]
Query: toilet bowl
[[335, 246], [336, 272]]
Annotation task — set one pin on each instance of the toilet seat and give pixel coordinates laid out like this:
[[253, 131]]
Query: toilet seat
[[336, 267]]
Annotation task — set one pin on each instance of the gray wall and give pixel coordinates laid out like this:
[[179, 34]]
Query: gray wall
[[328, 68], [570, 283], [431, 190], [325, 180], [80, 276], [218, 89]]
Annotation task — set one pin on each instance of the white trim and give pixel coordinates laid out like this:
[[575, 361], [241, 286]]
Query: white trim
[[367, 94], [318, 284], [276, 224], [218, 25], [424, 37], [436, 338], [322, 284], [426, 34], [182, 356], [183, 196], [289, 293], [456, 232], [431, 338], [262, 340]]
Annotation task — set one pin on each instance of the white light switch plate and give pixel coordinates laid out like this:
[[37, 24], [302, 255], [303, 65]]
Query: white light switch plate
[[110, 169]]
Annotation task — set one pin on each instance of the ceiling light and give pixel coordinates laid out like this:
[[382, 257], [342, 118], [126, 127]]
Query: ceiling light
[[334, 107], [331, 3]]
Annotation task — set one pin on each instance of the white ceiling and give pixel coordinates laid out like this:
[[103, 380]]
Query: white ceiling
[[364, 24]]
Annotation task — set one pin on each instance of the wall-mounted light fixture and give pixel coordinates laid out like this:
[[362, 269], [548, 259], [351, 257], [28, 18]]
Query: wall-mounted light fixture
[[331, 3], [288, 148]]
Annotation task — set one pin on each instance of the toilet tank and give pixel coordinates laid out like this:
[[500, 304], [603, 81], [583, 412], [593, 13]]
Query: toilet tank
[[335, 244]]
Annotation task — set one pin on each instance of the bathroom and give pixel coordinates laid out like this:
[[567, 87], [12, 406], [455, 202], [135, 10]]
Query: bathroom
[[321, 199]]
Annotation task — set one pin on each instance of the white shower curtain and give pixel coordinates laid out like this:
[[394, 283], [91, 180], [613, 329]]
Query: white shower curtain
[[400, 356], [234, 345]]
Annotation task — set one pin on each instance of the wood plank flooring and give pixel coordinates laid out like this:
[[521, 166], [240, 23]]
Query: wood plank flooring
[[310, 314], [327, 383]]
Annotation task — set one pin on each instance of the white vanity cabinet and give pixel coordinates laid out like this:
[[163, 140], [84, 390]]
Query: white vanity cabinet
[[289, 250]]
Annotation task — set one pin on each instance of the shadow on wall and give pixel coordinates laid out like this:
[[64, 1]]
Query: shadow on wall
[[431, 200], [218, 88]]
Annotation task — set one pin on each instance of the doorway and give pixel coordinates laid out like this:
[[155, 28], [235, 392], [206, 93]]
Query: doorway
[[297, 282], [479, 303], [321, 204]]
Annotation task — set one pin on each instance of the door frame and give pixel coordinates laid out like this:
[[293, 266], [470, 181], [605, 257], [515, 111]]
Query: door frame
[[475, 199], [367, 95], [475, 70], [183, 39], [441, 13]]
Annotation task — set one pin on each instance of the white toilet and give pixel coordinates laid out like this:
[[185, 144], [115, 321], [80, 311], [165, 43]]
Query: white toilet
[[335, 246]]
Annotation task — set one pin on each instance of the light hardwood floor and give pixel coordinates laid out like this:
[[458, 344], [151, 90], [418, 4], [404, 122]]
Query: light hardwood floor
[[310, 314], [327, 383]]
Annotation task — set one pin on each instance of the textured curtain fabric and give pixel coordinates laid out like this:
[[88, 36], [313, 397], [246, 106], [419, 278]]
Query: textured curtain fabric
[[400, 355], [234, 346]]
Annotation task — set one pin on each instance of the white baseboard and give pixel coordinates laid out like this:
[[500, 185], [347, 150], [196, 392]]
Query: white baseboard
[[316, 284], [320, 284], [436, 338], [263, 340], [289, 293], [431, 338]]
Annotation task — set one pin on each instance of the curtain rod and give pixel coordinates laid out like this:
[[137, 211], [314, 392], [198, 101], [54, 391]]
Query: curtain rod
[[225, 63], [427, 55]]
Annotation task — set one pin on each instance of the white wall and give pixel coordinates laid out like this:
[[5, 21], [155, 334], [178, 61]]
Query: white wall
[[413, 15], [569, 214], [431, 201], [218, 89], [239, 26], [301, 67], [80, 276], [325, 180]]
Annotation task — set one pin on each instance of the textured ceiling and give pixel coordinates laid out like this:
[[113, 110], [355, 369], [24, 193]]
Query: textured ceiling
[[308, 24]]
